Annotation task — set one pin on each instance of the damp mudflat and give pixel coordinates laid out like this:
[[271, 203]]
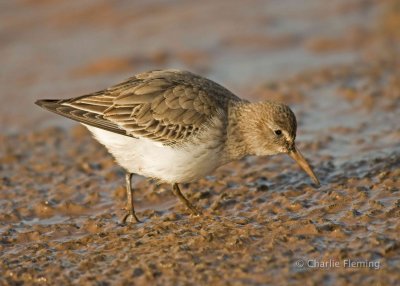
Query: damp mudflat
[[264, 223]]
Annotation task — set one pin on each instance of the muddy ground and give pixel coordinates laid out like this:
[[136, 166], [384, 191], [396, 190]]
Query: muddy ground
[[264, 223]]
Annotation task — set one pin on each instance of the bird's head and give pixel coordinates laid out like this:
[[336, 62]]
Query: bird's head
[[270, 128]]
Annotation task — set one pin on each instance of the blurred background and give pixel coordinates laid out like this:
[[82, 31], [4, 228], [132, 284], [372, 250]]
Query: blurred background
[[61, 49], [335, 63]]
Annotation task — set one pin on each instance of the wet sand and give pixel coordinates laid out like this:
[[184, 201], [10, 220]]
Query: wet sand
[[62, 197]]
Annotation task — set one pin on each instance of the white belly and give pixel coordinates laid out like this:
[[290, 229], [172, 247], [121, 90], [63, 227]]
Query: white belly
[[151, 159]]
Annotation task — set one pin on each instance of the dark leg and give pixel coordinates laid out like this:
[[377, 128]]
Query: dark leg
[[181, 197], [130, 216]]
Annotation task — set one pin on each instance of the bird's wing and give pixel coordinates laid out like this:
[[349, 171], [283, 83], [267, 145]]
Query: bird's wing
[[165, 106], [80, 115]]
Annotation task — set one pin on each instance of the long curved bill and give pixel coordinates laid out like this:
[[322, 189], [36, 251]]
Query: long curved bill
[[298, 157]]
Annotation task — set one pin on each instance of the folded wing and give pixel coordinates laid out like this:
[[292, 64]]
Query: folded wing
[[166, 106]]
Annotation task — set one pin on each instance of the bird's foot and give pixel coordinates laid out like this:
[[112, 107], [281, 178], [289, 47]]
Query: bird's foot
[[130, 217], [194, 210]]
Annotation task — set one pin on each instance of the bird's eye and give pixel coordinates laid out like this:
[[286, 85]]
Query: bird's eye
[[278, 132]]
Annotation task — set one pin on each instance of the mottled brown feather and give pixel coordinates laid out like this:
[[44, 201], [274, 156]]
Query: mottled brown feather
[[166, 106]]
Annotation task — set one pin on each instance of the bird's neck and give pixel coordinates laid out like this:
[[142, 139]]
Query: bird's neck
[[236, 147]]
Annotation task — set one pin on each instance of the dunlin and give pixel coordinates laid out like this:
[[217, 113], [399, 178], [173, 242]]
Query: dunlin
[[177, 127]]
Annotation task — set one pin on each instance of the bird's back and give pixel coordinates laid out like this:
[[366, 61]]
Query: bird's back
[[166, 106]]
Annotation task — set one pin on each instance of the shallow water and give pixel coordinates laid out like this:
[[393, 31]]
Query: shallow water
[[263, 222]]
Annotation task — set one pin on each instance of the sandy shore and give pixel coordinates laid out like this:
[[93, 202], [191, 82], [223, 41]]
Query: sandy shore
[[264, 223]]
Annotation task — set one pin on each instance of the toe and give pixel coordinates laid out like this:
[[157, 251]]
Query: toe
[[130, 218]]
